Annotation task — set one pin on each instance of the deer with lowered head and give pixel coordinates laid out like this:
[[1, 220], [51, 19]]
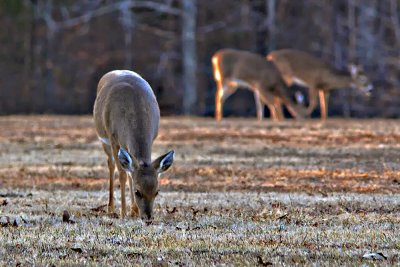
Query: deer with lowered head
[[126, 116], [237, 68], [298, 67]]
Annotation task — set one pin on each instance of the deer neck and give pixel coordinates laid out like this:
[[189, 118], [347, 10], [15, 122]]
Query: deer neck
[[140, 150], [339, 80]]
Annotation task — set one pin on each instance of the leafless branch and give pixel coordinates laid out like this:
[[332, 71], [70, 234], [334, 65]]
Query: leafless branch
[[162, 8], [156, 31]]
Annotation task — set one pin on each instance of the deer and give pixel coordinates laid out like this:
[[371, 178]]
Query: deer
[[304, 69], [126, 116], [234, 68]]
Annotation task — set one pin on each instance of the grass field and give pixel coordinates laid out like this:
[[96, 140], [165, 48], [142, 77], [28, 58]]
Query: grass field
[[240, 193]]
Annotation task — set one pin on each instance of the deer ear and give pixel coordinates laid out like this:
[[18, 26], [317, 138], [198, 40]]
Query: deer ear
[[125, 159], [163, 162]]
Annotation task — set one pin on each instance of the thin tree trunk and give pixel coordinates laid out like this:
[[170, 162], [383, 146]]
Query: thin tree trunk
[[351, 24], [189, 56], [29, 59], [271, 10], [127, 21]]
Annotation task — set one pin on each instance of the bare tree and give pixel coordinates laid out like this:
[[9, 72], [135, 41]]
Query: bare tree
[[127, 21], [271, 9], [189, 55]]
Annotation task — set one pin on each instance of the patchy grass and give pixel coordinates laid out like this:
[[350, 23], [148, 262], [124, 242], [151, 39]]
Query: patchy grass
[[201, 229], [241, 193]]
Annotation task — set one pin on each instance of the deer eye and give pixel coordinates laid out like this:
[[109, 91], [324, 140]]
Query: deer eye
[[138, 194]]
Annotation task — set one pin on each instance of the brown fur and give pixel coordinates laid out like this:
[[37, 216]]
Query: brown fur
[[316, 74], [126, 113], [260, 76]]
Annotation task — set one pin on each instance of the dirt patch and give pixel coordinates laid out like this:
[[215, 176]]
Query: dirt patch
[[234, 155]]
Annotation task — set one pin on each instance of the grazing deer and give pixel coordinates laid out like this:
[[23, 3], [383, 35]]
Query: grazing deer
[[298, 67], [126, 116], [235, 68]]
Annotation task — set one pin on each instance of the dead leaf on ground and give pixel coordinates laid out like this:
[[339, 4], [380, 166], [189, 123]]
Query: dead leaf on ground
[[77, 248], [66, 217], [99, 208], [174, 209], [194, 211], [282, 217], [261, 262], [374, 256], [6, 221], [4, 202]]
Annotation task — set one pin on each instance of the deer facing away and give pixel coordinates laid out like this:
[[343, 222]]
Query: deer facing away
[[235, 68], [298, 67], [126, 116]]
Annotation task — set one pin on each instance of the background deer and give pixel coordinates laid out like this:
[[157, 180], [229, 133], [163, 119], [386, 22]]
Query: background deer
[[127, 116], [235, 68], [298, 67]]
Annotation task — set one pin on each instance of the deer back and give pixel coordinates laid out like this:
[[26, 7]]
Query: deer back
[[126, 112]]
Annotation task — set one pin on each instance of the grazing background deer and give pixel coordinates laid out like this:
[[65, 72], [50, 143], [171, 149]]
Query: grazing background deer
[[127, 116], [298, 67], [235, 68]]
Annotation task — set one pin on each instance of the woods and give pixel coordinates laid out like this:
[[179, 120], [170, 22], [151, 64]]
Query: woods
[[53, 53]]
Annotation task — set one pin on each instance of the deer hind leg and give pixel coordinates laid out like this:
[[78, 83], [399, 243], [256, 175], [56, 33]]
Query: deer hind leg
[[122, 181], [278, 108], [259, 105], [111, 169], [269, 101], [223, 92], [218, 100], [134, 208], [323, 100], [313, 100]]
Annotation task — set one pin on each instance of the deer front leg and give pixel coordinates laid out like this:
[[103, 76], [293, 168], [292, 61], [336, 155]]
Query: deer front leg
[[278, 108], [134, 208], [111, 169], [259, 105], [267, 99], [218, 101], [313, 100], [323, 100], [122, 181]]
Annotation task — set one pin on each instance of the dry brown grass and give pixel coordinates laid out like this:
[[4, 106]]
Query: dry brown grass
[[240, 193], [200, 229]]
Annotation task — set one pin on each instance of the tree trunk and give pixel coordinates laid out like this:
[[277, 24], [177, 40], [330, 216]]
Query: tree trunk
[[351, 24], [127, 21], [189, 56], [29, 59], [271, 10]]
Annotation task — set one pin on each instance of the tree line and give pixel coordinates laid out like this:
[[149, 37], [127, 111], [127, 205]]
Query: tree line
[[53, 52]]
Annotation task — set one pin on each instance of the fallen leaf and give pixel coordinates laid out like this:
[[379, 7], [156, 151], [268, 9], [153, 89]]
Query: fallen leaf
[[374, 256], [17, 222], [194, 211], [67, 218], [77, 248], [174, 209], [282, 217], [261, 262], [4, 202], [99, 208], [4, 221]]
